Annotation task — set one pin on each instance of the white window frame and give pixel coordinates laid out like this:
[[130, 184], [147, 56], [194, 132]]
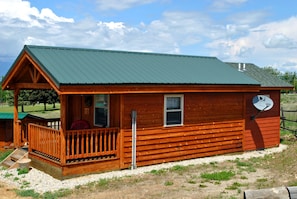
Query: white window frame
[[107, 107], [181, 96]]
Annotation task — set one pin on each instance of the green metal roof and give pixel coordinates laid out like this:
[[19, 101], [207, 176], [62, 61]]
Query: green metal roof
[[67, 66], [9, 116], [259, 74], [21, 116], [77, 66]]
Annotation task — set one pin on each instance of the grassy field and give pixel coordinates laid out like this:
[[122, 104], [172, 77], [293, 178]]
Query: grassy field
[[37, 110], [30, 108], [289, 103]]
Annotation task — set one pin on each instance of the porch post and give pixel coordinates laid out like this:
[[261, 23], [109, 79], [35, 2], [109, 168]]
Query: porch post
[[16, 132], [63, 107]]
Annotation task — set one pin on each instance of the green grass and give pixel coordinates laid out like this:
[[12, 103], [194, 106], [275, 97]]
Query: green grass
[[168, 183], [27, 193], [22, 171], [222, 175], [158, 172], [57, 194], [102, 182], [4, 154], [245, 166], [7, 175], [288, 102], [235, 186], [178, 168], [262, 183], [30, 108]]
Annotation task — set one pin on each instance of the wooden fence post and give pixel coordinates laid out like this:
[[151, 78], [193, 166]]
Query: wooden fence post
[[282, 118]]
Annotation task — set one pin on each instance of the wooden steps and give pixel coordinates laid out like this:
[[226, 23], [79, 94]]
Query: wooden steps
[[10, 161]]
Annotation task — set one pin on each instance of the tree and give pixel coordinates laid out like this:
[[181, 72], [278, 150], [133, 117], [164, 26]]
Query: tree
[[272, 71], [44, 96], [24, 98], [4, 94], [289, 77]]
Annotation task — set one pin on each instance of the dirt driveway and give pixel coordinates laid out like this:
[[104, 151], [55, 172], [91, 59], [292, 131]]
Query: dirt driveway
[[7, 192]]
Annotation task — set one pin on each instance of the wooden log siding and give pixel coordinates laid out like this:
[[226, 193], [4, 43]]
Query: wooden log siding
[[159, 145], [262, 133], [45, 141], [92, 143]]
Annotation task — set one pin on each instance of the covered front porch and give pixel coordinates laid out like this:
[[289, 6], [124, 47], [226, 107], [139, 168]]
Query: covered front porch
[[76, 152], [66, 150]]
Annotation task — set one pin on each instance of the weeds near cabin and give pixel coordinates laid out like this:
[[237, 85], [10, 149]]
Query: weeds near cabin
[[22, 171], [245, 166], [7, 175], [235, 186], [261, 183], [102, 182], [158, 172], [168, 183], [178, 168], [218, 176], [27, 193], [15, 179], [57, 194], [4, 154], [25, 184]]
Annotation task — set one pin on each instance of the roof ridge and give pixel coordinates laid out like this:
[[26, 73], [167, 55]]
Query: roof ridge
[[118, 51]]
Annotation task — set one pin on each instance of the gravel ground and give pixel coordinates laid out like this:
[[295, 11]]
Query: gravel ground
[[42, 182]]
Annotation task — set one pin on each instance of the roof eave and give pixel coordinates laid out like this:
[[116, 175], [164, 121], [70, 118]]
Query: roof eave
[[156, 88], [277, 88], [12, 70]]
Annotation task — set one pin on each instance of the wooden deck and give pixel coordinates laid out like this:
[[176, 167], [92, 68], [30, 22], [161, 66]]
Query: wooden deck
[[83, 149], [87, 144]]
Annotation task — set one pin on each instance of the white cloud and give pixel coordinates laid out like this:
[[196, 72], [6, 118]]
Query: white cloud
[[20, 24], [184, 28], [21, 11], [272, 44], [221, 5], [48, 15], [280, 41], [120, 5]]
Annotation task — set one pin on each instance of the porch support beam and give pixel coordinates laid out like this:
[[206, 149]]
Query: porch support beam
[[16, 131], [63, 99]]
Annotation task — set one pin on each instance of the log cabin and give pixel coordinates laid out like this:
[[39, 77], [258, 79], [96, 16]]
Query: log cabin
[[125, 109], [262, 129]]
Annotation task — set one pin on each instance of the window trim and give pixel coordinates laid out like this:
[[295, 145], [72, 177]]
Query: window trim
[[181, 96], [108, 110]]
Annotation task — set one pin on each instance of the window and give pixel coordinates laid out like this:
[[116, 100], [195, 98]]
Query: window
[[101, 112], [173, 110]]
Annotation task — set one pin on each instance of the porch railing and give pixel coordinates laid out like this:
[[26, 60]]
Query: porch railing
[[86, 144], [45, 140], [92, 143]]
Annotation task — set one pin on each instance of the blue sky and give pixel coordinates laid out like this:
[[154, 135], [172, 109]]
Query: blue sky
[[253, 31]]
